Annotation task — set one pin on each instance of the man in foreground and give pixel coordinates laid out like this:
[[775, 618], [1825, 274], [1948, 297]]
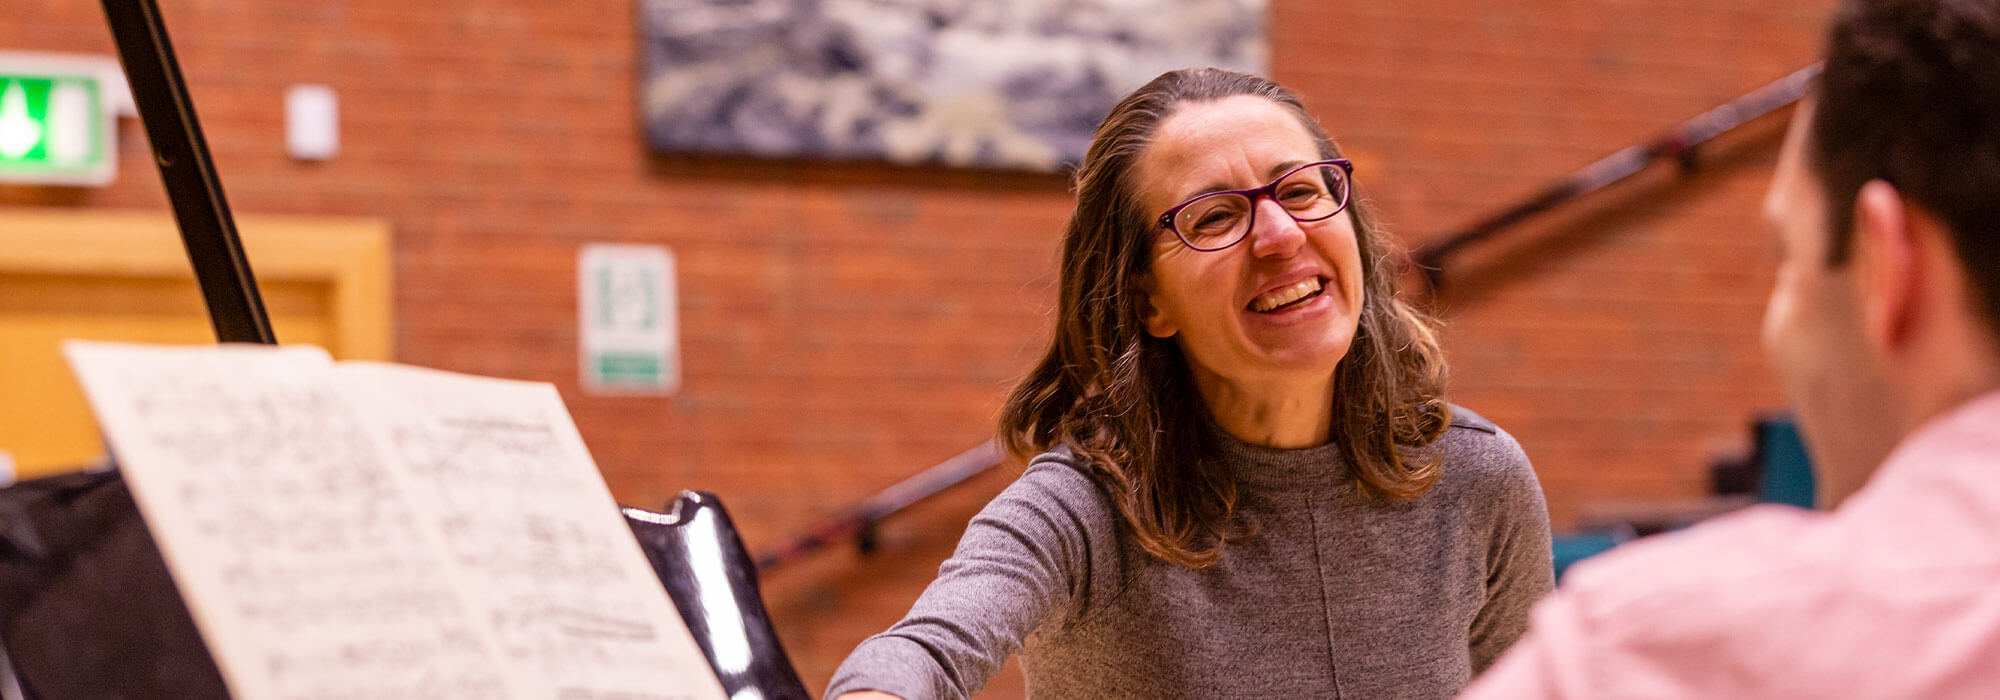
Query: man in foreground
[[1884, 328]]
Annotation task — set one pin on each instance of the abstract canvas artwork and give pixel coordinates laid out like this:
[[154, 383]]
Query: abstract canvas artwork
[[1002, 84]]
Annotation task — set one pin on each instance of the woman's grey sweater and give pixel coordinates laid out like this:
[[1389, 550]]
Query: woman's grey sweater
[[1337, 595]]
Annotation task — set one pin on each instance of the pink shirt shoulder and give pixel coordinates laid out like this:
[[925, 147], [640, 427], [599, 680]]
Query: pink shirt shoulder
[[1895, 595]]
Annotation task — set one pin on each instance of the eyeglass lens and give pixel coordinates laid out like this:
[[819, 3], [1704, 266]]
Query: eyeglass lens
[[1221, 219]]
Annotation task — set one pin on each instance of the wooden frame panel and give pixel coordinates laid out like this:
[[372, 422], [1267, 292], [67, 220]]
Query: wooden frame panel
[[329, 278]]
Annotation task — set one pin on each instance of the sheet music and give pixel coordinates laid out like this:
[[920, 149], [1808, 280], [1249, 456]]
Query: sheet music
[[379, 531], [528, 520], [308, 571]]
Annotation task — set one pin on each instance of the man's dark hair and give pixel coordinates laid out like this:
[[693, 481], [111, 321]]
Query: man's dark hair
[[1911, 96]]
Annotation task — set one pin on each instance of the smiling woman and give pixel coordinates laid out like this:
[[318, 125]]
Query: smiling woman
[[1243, 475]]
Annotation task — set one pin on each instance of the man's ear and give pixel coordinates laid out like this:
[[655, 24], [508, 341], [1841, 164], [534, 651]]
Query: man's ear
[[1885, 255], [1157, 323]]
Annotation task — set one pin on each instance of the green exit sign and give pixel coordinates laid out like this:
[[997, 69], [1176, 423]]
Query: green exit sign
[[55, 127]]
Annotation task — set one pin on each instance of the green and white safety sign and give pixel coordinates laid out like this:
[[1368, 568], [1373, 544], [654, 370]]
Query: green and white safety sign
[[628, 330], [55, 121]]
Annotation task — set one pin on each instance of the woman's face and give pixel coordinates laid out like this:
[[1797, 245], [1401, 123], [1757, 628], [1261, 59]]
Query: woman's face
[[1217, 305]]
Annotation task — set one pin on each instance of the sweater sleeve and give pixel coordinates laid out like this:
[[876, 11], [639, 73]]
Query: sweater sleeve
[[1039, 553], [1520, 566]]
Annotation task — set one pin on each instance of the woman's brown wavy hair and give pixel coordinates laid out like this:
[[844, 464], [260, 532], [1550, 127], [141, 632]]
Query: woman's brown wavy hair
[[1126, 401]]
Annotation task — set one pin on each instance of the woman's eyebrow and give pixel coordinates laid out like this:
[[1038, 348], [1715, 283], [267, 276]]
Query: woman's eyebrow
[[1280, 168], [1212, 188]]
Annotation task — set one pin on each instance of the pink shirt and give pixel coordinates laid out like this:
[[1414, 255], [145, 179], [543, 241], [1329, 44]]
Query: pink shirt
[[1895, 595]]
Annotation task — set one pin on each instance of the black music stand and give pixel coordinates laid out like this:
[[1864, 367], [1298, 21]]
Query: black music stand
[[87, 606]]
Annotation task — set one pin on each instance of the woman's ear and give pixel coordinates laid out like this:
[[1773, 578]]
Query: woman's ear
[[1157, 323]]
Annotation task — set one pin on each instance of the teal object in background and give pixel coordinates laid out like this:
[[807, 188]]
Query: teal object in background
[[1787, 475], [1784, 475], [1574, 547]]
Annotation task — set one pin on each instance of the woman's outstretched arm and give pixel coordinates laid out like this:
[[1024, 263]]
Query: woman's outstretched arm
[[1037, 554]]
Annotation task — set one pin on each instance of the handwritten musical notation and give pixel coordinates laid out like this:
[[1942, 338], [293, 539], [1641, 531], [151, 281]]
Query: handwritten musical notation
[[367, 530], [522, 509]]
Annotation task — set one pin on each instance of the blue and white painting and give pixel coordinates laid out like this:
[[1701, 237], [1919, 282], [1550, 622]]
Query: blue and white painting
[[1003, 84]]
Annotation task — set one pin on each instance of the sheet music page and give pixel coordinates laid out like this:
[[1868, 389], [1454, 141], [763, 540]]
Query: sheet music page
[[308, 570], [527, 518]]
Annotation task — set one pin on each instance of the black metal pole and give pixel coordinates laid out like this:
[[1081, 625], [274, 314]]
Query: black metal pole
[[860, 521], [207, 230], [1680, 143]]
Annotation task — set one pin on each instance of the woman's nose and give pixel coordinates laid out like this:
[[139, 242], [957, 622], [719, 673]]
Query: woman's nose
[[1274, 234]]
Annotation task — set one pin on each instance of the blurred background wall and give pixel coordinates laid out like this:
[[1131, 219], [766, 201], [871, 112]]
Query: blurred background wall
[[845, 325]]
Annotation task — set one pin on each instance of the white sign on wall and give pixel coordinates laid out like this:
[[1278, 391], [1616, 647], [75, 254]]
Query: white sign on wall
[[628, 328]]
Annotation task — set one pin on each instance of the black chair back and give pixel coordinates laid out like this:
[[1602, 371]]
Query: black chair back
[[87, 609], [713, 581]]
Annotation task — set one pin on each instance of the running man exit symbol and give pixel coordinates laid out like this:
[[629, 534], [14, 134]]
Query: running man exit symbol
[[55, 127]]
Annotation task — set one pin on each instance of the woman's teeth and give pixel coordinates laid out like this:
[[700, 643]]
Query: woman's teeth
[[1280, 297]]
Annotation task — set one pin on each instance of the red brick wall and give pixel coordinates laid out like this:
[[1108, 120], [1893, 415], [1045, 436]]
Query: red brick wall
[[1617, 339], [846, 325]]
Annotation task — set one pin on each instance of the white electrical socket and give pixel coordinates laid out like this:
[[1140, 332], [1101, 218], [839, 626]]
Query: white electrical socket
[[312, 122]]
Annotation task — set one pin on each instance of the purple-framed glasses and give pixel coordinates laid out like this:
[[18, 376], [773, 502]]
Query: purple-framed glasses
[[1217, 220]]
